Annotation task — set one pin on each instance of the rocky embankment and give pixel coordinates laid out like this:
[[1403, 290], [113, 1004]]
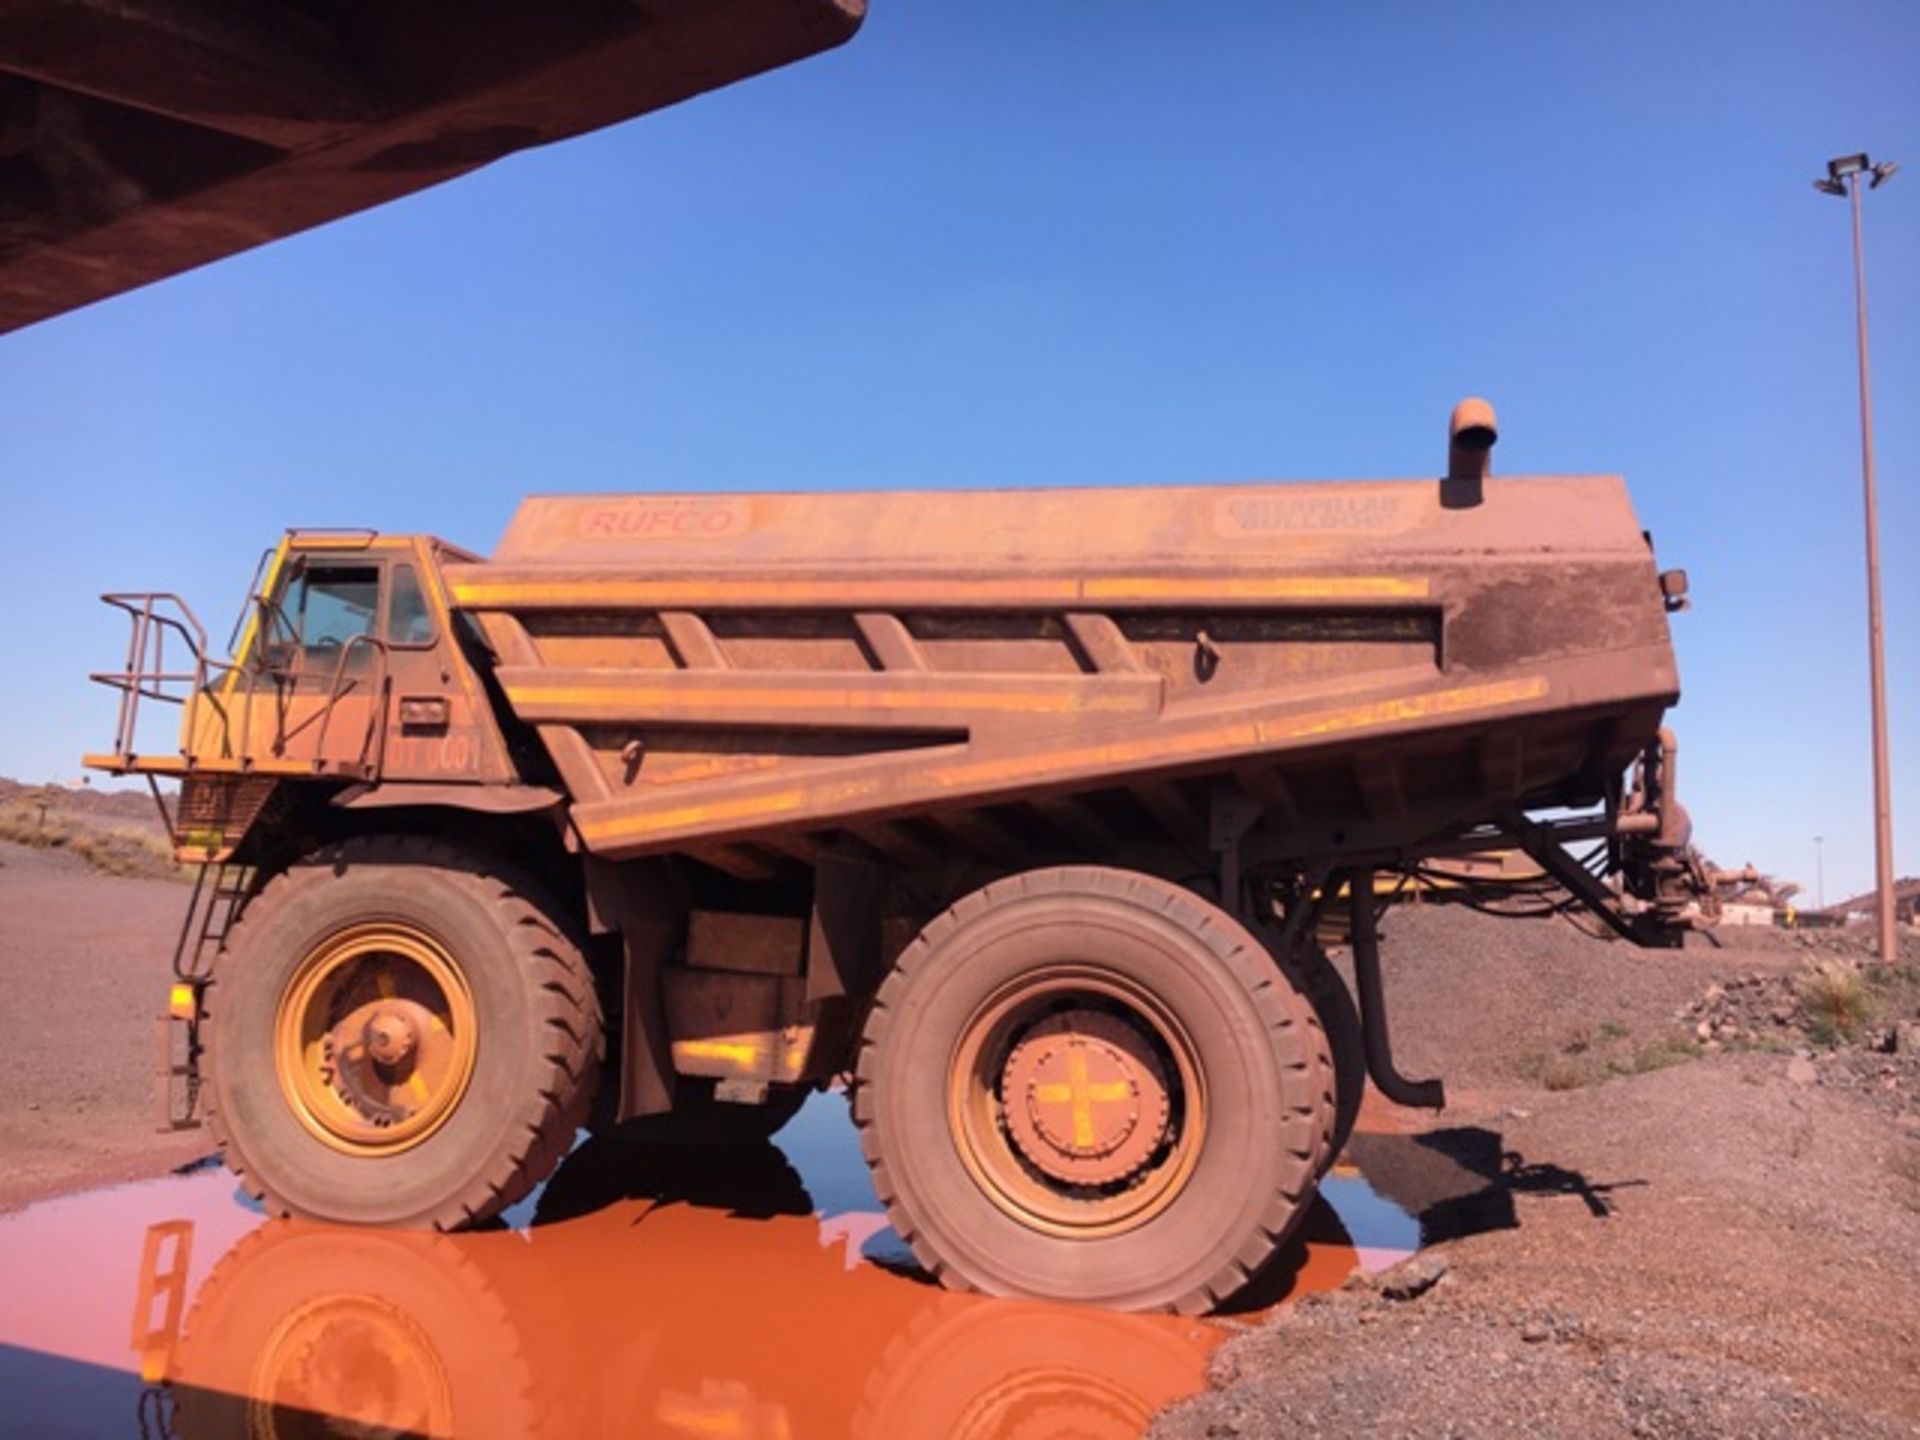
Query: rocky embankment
[[1677, 1194]]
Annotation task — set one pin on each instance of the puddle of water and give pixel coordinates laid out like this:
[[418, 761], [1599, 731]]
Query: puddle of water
[[755, 1296]]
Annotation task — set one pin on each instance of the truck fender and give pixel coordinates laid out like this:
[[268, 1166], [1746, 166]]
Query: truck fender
[[486, 799]]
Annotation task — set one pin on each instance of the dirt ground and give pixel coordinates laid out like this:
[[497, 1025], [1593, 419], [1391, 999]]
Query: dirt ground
[[1637, 1229], [83, 964]]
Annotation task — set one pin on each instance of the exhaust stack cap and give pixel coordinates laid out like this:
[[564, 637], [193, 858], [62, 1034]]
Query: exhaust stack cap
[[1470, 438]]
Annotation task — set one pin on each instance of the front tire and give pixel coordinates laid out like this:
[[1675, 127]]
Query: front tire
[[399, 1033], [1088, 1084]]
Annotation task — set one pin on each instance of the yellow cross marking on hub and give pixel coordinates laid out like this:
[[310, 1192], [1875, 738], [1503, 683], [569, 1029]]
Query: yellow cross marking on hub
[[1082, 1094]]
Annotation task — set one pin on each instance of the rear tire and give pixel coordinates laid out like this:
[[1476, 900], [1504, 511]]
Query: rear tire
[[398, 1033], [1332, 1001], [1091, 1085]]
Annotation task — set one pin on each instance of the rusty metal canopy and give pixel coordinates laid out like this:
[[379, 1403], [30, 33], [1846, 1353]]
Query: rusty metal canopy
[[140, 138]]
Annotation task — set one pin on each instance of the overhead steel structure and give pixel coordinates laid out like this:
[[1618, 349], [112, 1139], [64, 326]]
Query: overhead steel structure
[[140, 138]]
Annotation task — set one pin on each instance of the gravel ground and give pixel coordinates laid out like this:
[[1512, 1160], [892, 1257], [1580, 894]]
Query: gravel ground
[[83, 962], [1636, 1230]]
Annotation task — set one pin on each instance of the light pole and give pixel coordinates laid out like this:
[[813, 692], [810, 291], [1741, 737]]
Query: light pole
[[1819, 873], [1843, 178]]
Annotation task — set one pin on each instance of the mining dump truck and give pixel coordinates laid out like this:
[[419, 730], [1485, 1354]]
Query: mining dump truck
[[1020, 813]]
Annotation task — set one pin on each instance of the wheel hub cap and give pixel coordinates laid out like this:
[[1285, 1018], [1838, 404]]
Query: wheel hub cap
[[374, 1059], [390, 1037], [1086, 1097]]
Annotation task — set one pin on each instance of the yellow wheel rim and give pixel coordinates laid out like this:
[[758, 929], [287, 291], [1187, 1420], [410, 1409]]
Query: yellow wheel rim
[[375, 1039], [1048, 1196]]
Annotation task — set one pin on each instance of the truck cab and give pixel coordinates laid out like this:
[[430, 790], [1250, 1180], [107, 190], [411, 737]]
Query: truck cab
[[348, 664]]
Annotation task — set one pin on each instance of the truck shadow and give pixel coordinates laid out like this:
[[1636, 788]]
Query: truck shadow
[[752, 1182], [1462, 1180]]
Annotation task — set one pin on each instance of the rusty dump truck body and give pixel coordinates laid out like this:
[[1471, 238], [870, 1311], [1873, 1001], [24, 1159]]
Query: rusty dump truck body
[[1339, 656], [1025, 807]]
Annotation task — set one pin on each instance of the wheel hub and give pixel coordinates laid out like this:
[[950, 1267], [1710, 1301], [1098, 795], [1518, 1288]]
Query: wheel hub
[[1085, 1097], [375, 1059], [390, 1037]]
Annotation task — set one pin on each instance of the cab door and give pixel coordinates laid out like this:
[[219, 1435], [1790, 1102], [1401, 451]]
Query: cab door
[[439, 726], [317, 683]]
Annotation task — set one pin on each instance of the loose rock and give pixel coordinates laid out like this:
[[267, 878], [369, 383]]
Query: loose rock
[[1412, 1277]]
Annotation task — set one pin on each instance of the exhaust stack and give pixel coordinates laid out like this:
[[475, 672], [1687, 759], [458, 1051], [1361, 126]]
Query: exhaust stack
[[1470, 438]]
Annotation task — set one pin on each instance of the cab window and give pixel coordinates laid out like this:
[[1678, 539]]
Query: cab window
[[322, 609], [409, 620]]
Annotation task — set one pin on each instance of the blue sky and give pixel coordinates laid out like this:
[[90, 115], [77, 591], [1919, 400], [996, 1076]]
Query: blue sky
[[1075, 243]]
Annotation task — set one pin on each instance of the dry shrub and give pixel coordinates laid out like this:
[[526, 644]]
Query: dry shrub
[[1835, 996], [1565, 1072], [1675, 1047], [112, 850]]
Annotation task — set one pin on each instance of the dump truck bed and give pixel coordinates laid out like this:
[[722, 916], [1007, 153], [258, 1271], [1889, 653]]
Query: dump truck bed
[[991, 668]]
